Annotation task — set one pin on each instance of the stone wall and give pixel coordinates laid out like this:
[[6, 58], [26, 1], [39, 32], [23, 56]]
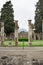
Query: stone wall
[[18, 56], [23, 35]]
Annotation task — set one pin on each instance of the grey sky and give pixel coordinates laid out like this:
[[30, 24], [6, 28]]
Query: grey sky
[[23, 10]]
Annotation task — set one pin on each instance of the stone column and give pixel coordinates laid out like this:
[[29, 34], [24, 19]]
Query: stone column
[[2, 33], [30, 33], [42, 29], [16, 32], [34, 36]]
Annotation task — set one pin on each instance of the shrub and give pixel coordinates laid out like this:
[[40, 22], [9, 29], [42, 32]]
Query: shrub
[[23, 39], [5, 45]]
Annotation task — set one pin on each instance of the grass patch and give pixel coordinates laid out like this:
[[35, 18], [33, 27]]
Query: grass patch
[[35, 43]]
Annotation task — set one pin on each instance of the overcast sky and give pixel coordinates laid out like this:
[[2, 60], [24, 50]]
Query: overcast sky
[[23, 10]]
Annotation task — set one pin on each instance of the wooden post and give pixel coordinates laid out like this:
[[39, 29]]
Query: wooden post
[[30, 33], [16, 32]]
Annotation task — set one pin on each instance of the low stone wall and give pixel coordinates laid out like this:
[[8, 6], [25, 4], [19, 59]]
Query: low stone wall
[[18, 55], [35, 52]]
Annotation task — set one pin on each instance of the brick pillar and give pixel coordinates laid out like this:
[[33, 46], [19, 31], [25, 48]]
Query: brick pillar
[[2, 33], [16, 32], [30, 33]]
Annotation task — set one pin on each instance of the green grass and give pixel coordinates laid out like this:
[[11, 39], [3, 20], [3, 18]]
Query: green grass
[[35, 43]]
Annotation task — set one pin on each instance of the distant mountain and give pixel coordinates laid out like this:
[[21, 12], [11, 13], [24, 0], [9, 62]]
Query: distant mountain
[[20, 30]]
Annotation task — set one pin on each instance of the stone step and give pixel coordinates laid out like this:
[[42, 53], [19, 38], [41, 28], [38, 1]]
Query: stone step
[[21, 49]]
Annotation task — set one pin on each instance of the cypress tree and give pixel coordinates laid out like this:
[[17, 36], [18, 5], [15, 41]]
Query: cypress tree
[[39, 16], [8, 17]]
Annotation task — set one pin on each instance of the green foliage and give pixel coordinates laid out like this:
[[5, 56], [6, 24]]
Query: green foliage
[[8, 17], [39, 16], [5, 45], [23, 39]]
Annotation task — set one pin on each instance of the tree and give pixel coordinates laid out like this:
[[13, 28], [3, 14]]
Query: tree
[[8, 17], [39, 16]]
